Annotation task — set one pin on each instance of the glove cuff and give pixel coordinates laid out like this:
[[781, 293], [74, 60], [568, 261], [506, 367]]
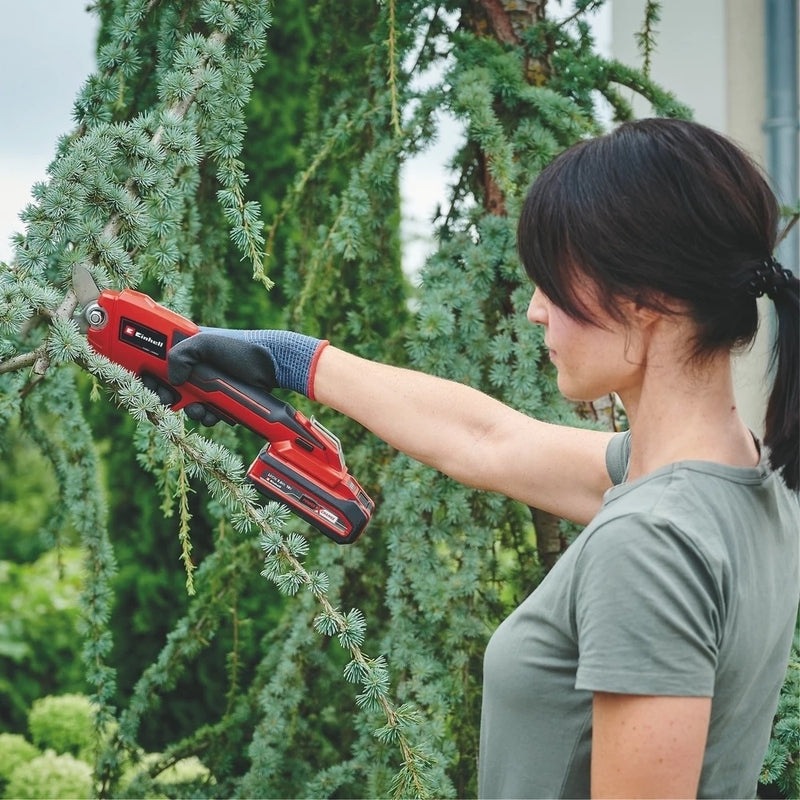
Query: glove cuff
[[312, 372], [294, 355]]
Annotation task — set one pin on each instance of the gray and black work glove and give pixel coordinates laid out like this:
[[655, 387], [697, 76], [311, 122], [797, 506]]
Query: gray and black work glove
[[263, 358]]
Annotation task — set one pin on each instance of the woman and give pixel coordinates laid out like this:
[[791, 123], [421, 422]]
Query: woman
[[649, 660]]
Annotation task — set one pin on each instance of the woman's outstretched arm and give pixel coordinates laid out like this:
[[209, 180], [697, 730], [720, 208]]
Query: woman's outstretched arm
[[468, 435]]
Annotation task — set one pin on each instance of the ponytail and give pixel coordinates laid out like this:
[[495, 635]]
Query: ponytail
[[782, 436]]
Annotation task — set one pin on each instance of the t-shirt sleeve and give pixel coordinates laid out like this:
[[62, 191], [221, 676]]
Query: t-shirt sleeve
[[618, 453], [646, 611]]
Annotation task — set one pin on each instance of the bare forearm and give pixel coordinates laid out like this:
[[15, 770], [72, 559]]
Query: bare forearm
[[435, 421]]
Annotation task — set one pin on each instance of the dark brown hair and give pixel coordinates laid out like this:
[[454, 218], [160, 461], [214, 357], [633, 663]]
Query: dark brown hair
[[660, 210]]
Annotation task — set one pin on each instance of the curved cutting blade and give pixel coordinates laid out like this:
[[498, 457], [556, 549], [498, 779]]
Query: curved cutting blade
[[84, 286]]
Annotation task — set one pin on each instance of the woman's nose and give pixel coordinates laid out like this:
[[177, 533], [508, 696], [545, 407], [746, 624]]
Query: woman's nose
[[537, 309]]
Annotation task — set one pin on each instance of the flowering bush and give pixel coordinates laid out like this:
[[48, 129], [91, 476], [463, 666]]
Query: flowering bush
[[14, 751], [50, 775], [63, 723]]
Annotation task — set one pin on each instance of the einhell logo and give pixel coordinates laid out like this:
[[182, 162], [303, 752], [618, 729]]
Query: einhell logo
[[147, 339]]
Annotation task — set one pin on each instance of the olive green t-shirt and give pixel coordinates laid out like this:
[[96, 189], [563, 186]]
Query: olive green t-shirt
[[686, 583]]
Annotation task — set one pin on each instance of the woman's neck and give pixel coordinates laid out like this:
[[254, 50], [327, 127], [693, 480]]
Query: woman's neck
[[684, 412]]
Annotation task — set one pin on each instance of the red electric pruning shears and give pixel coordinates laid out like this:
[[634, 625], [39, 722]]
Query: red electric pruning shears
[[301, 464]]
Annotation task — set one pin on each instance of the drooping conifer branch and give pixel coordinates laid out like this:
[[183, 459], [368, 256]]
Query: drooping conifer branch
[[393, 77], [645, 38], [283, 562]]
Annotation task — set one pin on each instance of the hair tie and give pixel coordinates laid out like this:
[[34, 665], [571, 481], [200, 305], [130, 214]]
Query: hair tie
[[769, 278]]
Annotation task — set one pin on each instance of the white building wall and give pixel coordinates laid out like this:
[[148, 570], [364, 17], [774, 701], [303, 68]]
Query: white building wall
[[690, 55]]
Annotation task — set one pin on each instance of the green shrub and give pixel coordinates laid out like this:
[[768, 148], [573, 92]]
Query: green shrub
[[62, 723], [187, 770], [40, 644], [182, 779], [14, 750], [50, 776]]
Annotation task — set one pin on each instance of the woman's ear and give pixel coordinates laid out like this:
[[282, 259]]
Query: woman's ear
[[645, 315], [649, 307]]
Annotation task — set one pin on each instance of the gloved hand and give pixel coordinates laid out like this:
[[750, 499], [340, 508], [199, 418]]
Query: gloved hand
[[264, 358]]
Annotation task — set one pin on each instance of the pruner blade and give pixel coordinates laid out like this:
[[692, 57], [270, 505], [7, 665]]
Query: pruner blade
[[84, 286], [87, 292]]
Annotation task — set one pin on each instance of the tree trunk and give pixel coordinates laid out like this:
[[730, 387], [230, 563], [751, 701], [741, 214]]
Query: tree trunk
[[504, 20]]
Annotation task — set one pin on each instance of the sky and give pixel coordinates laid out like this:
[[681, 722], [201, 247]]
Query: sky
[[46, 54]]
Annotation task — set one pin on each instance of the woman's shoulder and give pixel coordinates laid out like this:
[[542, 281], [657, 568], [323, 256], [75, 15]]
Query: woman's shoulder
[[715, 510]]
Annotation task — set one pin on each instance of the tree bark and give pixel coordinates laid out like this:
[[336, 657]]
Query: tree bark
[[506, 21], [550, 543]]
